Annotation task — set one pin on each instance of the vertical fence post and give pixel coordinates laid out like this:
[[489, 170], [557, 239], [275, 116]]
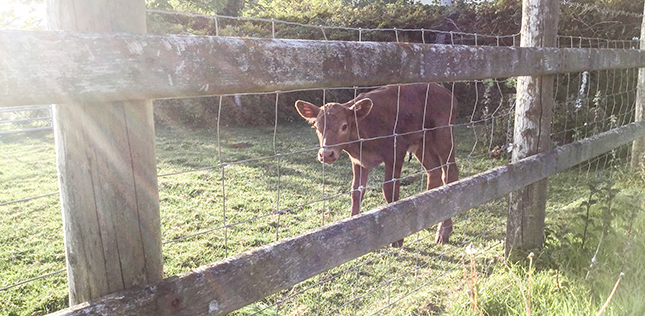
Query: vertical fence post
[[533, 112], [107, 171], [638, 148]]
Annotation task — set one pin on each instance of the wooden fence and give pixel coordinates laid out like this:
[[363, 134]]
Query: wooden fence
[[84, 71], [129, 66], [225, 286]]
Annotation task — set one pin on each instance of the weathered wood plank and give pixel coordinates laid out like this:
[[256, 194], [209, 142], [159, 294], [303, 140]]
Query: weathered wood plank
[[224, 286], [39, 67], [532, 130], [107, 170]]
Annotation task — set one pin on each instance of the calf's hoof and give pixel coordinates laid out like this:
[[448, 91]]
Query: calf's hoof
[[398, 244], [443, 233], [442, 239]]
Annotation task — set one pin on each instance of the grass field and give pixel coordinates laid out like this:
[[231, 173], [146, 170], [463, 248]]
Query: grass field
[[256, 198]]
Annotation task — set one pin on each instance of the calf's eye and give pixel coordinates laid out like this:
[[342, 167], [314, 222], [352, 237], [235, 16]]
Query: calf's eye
[[344, 128]]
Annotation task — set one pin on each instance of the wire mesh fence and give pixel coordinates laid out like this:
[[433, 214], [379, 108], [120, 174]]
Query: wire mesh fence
[[25, 119], [231, 188], [294, 184]]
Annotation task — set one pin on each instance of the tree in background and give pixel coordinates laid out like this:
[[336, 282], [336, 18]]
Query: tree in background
[[21, 14]]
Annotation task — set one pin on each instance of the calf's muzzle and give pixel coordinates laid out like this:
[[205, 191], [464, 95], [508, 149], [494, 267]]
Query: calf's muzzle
[[327, 155]]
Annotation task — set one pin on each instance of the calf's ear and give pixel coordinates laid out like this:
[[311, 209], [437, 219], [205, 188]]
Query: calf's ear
[[362, 107], [307, 110]]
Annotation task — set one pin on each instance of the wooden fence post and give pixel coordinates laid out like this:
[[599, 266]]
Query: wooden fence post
[[638, 148], [107, 171], [533, 112]]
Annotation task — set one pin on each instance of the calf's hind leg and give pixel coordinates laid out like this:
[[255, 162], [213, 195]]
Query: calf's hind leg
[[450, 173]]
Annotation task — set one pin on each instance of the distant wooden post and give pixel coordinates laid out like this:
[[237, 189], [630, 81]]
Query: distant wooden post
[[107, 171], [533, 112], [638, 148]]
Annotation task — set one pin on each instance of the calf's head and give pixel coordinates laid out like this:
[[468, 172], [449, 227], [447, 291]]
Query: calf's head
[[335, 124]]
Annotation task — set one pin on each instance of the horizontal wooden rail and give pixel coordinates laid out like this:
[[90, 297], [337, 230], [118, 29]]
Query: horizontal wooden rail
[[225, 286], [43, 67]]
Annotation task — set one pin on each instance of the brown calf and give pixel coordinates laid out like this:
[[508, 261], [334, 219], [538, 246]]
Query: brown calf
[[364, 128]]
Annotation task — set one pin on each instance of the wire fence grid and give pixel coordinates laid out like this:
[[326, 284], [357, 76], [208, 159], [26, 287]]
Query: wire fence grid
[[25, 119], [278, 29], [217, 185]]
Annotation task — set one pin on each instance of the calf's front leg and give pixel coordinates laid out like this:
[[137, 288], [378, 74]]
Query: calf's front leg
[[391, 186], [358, 186]]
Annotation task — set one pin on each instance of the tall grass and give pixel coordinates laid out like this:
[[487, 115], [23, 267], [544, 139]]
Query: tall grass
[[564, 281]]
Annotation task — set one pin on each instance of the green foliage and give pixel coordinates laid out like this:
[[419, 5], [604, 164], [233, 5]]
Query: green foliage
[[588, 103], [225, 7], [586, 21], [588, 220], [486, 18], [20, 14]]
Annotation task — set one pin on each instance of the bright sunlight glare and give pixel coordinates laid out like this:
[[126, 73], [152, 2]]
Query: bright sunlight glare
[[22, 14]]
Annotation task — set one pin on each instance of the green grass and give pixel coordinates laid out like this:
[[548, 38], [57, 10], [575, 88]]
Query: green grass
[[203, 221], [31, 238]]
